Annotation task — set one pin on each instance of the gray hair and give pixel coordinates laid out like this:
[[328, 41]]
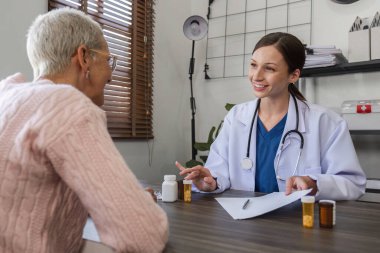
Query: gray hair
[[54, 36]]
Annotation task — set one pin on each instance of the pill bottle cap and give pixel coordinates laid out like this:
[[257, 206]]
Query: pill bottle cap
[[187, 181], [308, 199], [170, 177]]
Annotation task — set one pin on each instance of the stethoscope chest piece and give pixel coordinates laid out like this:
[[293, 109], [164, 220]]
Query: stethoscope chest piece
[[246, 163]]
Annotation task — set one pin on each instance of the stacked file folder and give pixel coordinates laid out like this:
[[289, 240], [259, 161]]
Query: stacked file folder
[[323, 56]]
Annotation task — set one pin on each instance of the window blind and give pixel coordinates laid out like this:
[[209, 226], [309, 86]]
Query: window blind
[[128, 29]]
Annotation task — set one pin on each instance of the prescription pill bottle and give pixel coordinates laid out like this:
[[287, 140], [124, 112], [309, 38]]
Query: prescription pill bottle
[[187, 190], [180, 189], [308, 211], [334, 209], [169, 189], [325, 214]]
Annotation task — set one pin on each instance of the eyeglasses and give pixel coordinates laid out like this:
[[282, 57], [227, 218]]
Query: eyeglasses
[[112, 59]]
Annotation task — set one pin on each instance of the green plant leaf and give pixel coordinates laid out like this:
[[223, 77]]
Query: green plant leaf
[[205, 146], [203, 158], [202, 146], [210, 134], [192, 163], [229, 106], [217, 131]]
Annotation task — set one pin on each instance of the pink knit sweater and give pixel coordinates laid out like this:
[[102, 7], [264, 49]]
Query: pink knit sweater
[[57, 164]]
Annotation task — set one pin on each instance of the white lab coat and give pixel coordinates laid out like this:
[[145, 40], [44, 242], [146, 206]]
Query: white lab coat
[[328, 155]]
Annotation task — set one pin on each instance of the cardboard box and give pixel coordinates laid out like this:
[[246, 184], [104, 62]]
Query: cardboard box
[[362, 114], [375, 37], [375, 43], [359, 45]]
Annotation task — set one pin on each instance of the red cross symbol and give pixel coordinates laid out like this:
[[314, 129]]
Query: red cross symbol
[[363, 108]]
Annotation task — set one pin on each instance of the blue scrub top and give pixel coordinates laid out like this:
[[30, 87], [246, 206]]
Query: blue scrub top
[[266, 148]]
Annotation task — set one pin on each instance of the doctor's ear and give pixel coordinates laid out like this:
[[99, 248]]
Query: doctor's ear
[[293, 77]]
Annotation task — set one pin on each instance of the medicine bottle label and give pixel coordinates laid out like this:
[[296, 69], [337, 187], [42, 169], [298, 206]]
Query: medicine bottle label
[[308, 215], [325, 214], [308, 211]]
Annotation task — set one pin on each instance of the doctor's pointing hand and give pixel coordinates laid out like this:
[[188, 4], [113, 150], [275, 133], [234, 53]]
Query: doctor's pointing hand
[[200, 175]]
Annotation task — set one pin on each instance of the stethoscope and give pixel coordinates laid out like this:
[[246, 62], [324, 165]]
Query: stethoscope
[[247, 163]]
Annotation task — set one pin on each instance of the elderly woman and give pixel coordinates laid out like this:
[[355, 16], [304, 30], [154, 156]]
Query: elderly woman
[[57, 161]]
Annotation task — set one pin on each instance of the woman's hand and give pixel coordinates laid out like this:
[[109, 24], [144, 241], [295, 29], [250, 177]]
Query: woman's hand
[[200, 175], [300, 183]]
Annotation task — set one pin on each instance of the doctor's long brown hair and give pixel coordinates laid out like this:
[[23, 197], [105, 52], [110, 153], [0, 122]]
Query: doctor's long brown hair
[[291, 49]]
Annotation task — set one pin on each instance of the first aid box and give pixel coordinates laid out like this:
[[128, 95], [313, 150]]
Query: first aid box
[[362, 114]]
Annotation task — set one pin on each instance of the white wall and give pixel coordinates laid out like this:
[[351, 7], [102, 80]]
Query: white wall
[[15, 21], [331, 23], [171, 98]]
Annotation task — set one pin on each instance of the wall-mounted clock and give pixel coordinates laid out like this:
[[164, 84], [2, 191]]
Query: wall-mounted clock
[[344, 1]]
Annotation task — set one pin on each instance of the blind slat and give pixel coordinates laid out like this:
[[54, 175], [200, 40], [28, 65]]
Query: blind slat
[[128, 100]]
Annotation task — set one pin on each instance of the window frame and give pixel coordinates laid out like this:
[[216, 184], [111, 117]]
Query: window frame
[[129, 96]]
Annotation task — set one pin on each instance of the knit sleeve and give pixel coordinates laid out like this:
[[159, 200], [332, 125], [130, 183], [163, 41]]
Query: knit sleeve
[[126, 217]]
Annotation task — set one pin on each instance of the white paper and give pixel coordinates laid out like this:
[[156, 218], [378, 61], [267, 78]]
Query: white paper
[[90, 232], [258, 205]]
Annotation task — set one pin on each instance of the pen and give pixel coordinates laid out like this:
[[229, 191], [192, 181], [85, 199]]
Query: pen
[[245, 204]]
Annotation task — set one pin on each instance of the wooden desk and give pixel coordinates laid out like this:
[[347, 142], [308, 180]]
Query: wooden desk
[[204, 226]]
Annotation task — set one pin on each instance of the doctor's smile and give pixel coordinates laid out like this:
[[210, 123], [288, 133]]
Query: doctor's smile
[[259, 87]]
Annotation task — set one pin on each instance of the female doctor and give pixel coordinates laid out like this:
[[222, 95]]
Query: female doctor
[[279, 142]]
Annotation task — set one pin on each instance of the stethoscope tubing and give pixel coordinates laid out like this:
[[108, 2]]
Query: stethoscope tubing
[[248, 161], [250, 130]]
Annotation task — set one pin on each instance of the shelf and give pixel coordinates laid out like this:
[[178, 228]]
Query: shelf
[[344, 68], [365, 132]]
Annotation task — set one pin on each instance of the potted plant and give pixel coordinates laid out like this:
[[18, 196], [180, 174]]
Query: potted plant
[[205, 146]]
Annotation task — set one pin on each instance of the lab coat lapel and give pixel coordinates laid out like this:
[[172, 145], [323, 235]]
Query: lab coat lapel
[[302, 111], [245, 118], [293, 116], [245, 115]]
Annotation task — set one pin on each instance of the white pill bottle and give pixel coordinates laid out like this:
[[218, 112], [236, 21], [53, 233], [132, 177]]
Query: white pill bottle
[[169, 188]]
